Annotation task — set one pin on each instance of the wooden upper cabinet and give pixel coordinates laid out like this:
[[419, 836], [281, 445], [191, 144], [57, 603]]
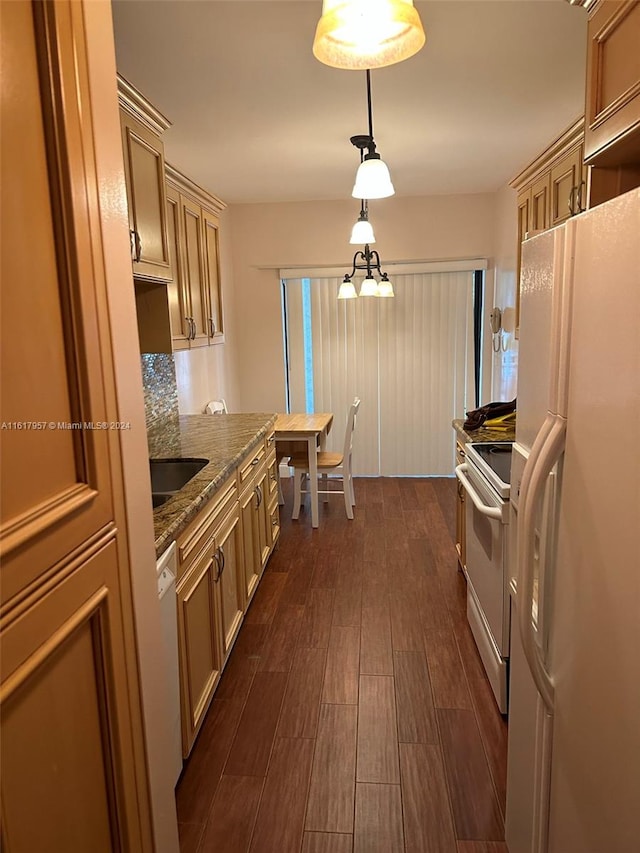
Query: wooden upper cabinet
[[568, 187], [195, 296], [145, 177], [211, 227], [540, 195], [612, 134], [194, 270], [177, 289]]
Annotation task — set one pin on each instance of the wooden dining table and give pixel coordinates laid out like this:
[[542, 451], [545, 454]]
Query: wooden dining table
[[313, 430]]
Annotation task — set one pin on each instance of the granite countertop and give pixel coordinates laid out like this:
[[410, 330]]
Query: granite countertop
[[483, 433], [222, 439]]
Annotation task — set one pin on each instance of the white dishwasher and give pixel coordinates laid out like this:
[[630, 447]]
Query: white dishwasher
[[167, 568]]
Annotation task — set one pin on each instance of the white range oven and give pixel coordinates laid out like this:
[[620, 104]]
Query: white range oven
[[485, 478]]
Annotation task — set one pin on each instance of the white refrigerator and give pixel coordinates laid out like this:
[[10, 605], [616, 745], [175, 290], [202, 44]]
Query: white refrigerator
[[573, 783]]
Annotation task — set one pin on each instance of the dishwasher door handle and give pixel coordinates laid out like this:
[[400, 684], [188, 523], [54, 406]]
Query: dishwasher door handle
[[485, 509]]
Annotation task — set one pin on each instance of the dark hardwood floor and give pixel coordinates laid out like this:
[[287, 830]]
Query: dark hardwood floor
[[354, 715]]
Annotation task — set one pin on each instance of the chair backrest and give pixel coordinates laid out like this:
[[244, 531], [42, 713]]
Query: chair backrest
[[351, 425], [216, 407]]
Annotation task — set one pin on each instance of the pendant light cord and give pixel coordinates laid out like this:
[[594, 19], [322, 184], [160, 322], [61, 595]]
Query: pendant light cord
[[369, 104]]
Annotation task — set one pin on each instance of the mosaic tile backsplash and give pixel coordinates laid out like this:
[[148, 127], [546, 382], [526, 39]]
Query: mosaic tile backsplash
[[160, 389]]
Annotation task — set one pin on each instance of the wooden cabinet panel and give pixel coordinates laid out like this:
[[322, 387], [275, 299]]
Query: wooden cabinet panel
[[56, 477], [215, 320], [230, 582], [264, 518], [540, 192], [250, 542], [568, 190], [194, 272], [66, 742], [200, 658], [144, 172], [177, 289], [612, 134]]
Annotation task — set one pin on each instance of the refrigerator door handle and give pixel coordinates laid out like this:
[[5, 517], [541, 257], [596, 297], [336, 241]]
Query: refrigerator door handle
[[546, 451], [490, 511]]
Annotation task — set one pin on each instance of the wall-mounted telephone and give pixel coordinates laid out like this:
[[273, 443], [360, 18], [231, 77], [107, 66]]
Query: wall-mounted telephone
[[495, 320]]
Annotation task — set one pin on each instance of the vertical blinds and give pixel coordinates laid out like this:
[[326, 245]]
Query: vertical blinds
[[409, 359]]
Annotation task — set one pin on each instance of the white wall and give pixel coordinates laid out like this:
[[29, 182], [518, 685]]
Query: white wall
[[268, 237], [504, 363]]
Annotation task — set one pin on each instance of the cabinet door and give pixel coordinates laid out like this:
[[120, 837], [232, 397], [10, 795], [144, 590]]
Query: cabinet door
[[524, 219], [230, 580], [250, 541], [540, 193], [568, 191], [66, 729], [612, 131], [263, 518], [194, 272], [215, 320], [200, 657], [144, 172], [177, 289]]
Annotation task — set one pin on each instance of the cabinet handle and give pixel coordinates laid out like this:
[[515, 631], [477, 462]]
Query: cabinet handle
[[223, 558], [258, 492], [216, 559], [255, 461], [271, 439], [212, 327], [273, 478], [570, 203], [274, 523], [195, 328], [582, 184], [136, 246]]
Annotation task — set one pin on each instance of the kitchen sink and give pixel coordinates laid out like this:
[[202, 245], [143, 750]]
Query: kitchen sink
[[168, 476]]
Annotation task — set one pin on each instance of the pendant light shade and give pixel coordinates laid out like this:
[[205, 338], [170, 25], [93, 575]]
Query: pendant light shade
[[385, 288], [359, 34], [347, 290], [373, 179], [369, 287], [362, 231]]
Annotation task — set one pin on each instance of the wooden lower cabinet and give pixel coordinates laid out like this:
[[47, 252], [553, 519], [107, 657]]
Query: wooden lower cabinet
[[199, 646], [222, 555]]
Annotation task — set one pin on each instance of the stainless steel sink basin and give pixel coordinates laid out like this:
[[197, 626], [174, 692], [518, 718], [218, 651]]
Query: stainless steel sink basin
[[168, 476]]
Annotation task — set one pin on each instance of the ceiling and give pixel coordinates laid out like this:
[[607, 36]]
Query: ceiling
[[257, 118]]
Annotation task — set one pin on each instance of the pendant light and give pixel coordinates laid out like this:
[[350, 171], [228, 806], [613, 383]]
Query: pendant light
[[368, 261], [372, 178], [362, 231], [358, 34]]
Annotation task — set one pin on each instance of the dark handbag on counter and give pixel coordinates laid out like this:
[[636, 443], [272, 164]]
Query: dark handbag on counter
[[476, 418]]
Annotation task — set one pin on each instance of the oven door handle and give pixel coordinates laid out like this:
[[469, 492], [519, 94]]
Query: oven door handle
[[490, 511]]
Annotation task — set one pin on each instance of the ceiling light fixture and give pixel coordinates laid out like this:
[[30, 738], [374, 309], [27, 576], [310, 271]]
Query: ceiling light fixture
[[362, 231], [372, 178], [358, 34], [368, 261]]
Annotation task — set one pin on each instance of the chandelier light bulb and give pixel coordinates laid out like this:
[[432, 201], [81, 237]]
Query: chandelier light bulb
[[385, 288]]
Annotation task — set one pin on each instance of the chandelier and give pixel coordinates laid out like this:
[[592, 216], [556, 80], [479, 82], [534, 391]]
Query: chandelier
[[368, 261]]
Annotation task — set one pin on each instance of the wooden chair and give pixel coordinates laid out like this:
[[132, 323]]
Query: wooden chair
[[337, 463]]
